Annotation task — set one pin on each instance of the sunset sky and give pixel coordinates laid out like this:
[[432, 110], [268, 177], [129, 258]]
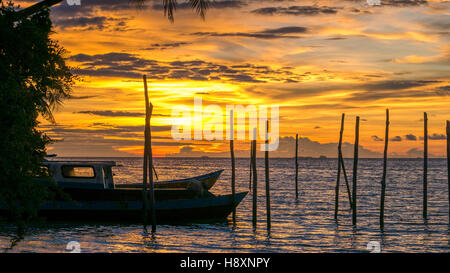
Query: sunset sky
[[315, 59]]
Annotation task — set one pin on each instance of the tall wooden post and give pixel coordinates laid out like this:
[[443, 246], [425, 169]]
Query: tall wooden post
[[355, 171], [338, 179], [425, 165], [145, 166], [233, 173], [296, 166], [266, 160], [250, 167], [383, 179], [148, 154], [255, 178], [448, 167]]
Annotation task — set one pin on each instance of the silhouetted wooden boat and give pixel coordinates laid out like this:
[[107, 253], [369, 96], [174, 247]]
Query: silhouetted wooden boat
[[207, 181], [210, 208], [90, 186], [98, 171]]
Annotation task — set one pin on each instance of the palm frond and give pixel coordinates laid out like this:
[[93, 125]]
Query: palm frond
[[200, 6], [169, 7]]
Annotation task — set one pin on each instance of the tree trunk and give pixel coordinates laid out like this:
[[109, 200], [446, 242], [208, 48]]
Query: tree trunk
[[24, 13]]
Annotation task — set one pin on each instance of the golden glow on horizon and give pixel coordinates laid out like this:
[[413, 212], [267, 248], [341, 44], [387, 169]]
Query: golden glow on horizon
[[357, 63]]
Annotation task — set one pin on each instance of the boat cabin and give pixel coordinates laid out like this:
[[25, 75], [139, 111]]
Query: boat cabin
[[89, 174]]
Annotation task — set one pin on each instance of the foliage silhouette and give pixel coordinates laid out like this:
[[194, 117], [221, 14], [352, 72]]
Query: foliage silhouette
[[34, 79]]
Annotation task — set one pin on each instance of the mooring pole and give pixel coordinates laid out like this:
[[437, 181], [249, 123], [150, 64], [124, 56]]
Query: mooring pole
[[296, 166], [347, 184], [148, 143], [448, 167], [266, 160], [233, 173], [355, 171], [150, 167], [250, 167], [145, 166], [255, 178], [383, 179], [425, 166], [338, 179]]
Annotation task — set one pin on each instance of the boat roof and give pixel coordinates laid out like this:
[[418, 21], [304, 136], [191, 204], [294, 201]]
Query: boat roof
[[78, 162]]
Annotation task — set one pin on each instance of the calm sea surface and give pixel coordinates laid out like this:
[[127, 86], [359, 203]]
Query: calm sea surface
[[305, 225]]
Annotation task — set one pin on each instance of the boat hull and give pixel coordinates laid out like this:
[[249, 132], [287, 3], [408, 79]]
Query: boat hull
[[207, 180], [167, 211]]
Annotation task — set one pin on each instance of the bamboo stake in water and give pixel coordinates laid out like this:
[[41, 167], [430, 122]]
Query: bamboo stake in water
[[347, 184], [233, 173], [448, 167], [266, 157], [296, 166], [338, 179], [145, 166], [255, 178], [148, 143], [383, 179], [355, 171], [425, 165], [250, 167]]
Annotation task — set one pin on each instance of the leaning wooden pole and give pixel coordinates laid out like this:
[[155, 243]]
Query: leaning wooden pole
[[347, 184], [355, 172], [448, 167], [338, 179], [148, 143], [255, 179], [296, 166], [145, 166], [233, 171], [383, 179], [266, 161], [425, 166]]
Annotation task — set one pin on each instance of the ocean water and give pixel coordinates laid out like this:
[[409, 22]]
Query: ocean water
[[303, 225]]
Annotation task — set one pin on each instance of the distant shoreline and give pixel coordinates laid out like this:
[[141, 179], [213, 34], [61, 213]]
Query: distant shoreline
[[303, 158]]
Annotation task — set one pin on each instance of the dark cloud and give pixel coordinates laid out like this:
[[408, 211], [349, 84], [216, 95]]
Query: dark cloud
[[443, 90], [404, 3], [90, 7], [410, 137], [296, 10], [376, 138], [163, 46], [396, 84], [212, 5], [62, 130], [396, 139], [437, 137], [108, 113], [82, 97], [275, 33], [126, 65], [97, 22]]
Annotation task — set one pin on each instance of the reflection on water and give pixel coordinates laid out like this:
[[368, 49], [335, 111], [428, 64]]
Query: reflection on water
[[304, 225]]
